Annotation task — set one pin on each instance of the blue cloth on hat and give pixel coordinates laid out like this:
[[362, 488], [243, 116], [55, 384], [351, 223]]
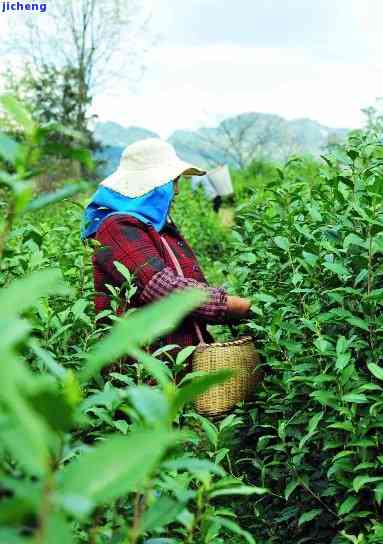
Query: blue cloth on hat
[[151, 208]]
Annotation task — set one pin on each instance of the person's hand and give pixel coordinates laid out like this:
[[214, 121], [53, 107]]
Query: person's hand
[[238, 307]]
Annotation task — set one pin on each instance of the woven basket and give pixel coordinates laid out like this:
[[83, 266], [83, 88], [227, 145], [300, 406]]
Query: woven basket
[[240, 356]]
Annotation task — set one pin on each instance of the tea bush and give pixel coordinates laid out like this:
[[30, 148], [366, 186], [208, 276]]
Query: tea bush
[[309, 253], [86, 457], [83, 459]]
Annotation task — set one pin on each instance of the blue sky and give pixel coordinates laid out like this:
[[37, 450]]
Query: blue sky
[[298, 58]]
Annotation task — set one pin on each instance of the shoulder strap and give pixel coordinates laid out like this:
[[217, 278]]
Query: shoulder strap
[[180, 273]]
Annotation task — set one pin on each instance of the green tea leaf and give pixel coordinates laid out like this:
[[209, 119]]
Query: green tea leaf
[[357, 322], [353, 239], [314, 213], [198, 387], [233, 527], [164, 511], [118, 466], [195, 466], [239, 490], [125, 272], [149, 403], [322, 344], [309, 516], [24, 293], [347, 506], [184, 354], [25, 435], [10, 151], [325, 397], [162, 541], [337, 268], [58, 529], [376, 370], [357, 398], [12, 536], [19, 113], [342, 360], [291, 487], [310, 258], [208, 426], [361, 481], [141, 328], [314, 422], [263, 297], [157, 369], [49, 362], [282, 242]]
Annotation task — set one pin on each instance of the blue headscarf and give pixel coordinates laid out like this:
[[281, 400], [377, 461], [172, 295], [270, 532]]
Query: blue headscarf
[[151, 208]]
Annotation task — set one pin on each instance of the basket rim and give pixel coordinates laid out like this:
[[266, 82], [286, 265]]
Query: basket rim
[[237, 342]]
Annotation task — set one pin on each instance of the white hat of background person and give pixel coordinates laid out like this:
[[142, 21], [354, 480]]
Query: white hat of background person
[[148, 164]]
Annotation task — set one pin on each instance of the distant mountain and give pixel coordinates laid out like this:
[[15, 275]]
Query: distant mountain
[[116, 135], [311, 134], [252, 135], [115, 138], [235, 140], [109, 158]]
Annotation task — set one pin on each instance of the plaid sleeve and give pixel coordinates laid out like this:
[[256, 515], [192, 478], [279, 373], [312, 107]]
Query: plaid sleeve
[[129, 243], [164, 282]]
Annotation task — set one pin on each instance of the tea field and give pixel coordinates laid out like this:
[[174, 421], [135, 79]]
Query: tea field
[[93, 454]]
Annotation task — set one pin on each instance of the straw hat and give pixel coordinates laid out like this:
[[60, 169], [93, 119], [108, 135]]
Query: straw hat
[[148, 164]]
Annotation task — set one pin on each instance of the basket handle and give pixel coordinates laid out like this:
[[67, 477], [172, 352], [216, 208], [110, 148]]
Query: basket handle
[[180, 273]]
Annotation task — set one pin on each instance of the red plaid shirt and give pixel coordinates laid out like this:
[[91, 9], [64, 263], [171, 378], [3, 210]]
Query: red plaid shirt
[[138, 246]]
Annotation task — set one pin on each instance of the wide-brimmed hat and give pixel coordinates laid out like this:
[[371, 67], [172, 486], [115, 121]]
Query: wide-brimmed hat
[[148, 164]]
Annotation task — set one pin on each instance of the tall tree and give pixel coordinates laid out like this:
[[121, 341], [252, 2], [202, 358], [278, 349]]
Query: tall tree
[[242, 139], [50, 95], [97, 39]]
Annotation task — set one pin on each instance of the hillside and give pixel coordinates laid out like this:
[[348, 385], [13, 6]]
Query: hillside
[[115, 135], [236, 140], [239, 139], [115, 138]]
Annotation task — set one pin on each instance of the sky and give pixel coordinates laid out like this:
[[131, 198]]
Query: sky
[[298, 58], [211, 59]]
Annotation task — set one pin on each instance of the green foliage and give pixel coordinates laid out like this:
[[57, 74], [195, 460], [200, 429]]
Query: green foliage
[[309, 255], [56, 114], [90, 455], [84, 459], [52, 95]]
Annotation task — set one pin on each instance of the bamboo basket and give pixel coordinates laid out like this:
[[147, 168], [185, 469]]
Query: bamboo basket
[[240, 356]]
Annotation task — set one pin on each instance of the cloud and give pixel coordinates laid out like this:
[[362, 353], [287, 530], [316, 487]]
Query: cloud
[[317, 59], [323, 24], [187, 87]]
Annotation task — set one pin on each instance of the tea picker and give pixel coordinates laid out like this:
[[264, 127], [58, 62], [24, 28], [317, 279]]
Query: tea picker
[[217, 185], [129, 217]]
